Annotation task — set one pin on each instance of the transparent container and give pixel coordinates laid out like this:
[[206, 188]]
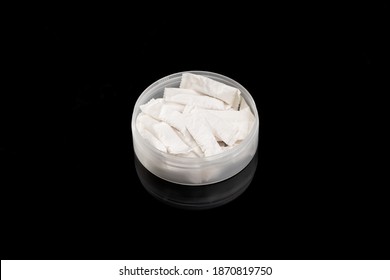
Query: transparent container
[[194, 171]]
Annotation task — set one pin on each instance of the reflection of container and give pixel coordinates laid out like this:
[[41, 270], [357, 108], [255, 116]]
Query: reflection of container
[[195, 197], [194, 171]]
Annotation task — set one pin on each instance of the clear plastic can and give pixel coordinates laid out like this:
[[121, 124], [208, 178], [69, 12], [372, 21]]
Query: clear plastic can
[[194, 171]]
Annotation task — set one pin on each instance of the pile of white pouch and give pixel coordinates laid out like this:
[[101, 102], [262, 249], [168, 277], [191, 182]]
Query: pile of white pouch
[[201, 118]]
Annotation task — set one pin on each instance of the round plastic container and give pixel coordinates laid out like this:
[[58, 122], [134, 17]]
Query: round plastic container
[[194, 171]]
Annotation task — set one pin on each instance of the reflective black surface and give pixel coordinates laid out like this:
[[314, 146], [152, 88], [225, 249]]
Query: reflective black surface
[[69, 186], [197, 197]]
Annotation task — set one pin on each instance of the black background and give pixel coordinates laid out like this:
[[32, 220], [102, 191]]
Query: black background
[[70, 187]]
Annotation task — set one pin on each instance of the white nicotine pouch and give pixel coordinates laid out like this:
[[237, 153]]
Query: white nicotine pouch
[[170, 139], [201, 131], [223, 130], [230, 95], [243, 120], [189, 97], [169, 92], [153, 107], [172, 117], [144, 124]]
